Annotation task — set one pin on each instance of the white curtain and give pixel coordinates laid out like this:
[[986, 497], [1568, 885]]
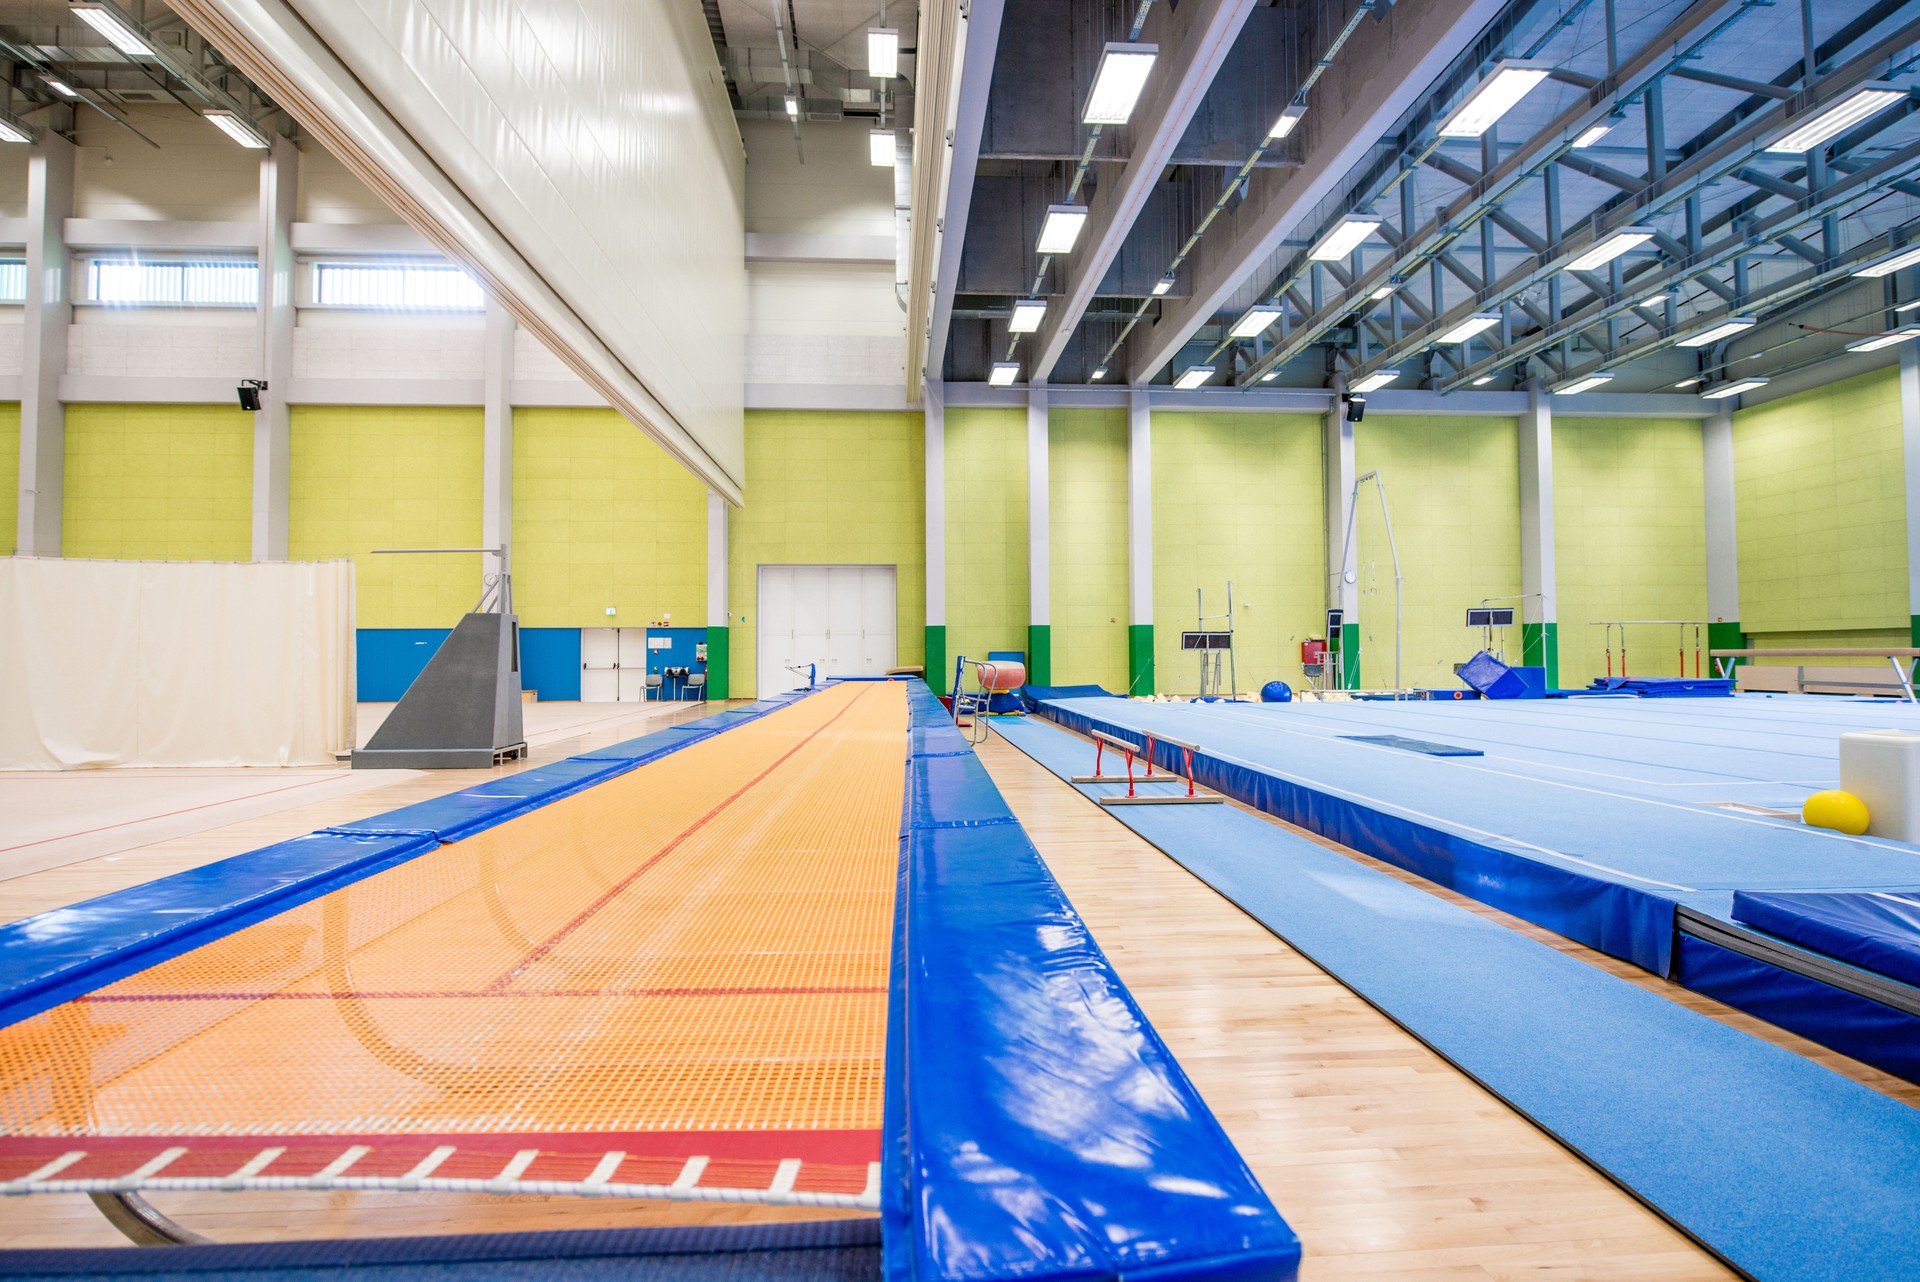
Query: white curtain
[[161, 663]]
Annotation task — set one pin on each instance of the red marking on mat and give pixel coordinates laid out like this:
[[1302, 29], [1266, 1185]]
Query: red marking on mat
[[831, 1161], [586, 914], [111, 998]]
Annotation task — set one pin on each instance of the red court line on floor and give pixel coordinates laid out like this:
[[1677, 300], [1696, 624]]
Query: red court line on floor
[[108, 998], [229, 801]]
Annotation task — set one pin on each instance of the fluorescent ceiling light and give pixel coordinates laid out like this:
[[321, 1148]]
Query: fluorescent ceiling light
[[1580, 385], [1027, 315], [1161, 286], [1375, 381], [1725, 390], [1511, 81], [1117, 84], [793, 106], [61, 87], [1609, 248], [1343, 239], [119, 33], [1688, 382], [1878, 341], [1725, 329], [1193, 377], [13, 132], [880, 147], [238, 128], [1593, 134], [883, 53], [1838, 116], [1258, 317], [1099, 372], [1653, 300], [1287, 121], [1385, 291], [1003, 373], [1269, 376], [1478, 323], [1888, 266], [1483, 380], [1062, 228], [1908, 307]]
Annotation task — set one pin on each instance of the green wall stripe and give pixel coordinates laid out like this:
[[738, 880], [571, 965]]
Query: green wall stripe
[[1140, 659], [1039, 654], [718, 656], [1540, 648], [939, 677]]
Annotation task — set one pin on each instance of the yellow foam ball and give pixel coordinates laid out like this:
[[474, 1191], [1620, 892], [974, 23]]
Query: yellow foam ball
[[1841, 811]]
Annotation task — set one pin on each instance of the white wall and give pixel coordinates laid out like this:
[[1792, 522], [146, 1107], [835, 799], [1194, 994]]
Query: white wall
[[821, 307]]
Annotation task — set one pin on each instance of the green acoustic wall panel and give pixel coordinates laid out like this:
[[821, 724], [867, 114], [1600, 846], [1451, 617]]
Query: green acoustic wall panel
[[1453, 487], [1237, 496], [157, 482], [1140, 658], [719, 663], [9, 473], [1630, 538], [937, 673], [986, 479], [603, 517], [829, 488], [1819, 494], [1087, 491], [384, 477], [1039, 654]]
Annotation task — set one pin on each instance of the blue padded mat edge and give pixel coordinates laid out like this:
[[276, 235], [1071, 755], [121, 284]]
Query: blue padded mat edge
[[1874, 930], [980, 1190], [1787, 1170]]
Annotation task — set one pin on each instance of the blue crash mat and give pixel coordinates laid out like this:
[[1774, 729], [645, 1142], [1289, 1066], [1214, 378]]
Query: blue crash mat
[[1874, 930], [1424, 746]]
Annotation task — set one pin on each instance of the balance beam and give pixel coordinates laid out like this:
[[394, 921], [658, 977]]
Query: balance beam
[[1892, 654]]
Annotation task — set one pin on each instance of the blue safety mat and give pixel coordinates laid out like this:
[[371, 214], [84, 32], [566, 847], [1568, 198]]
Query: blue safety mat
[[1062, 1141], [804, 1251], [1877, 931], [1789, 1171], [1425, 747], [1665, 687]]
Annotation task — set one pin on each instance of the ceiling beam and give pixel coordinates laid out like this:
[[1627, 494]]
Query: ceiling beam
[[1182, 80], [1386, 70], [966, 102]]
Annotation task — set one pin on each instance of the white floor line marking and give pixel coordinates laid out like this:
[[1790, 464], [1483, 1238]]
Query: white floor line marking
[[689, 1176], [253, 1166], [429, 1164], [46, 1172], [603, 1173], [515, 1169], [784, 1176], [338, 1165], [1821, 833]]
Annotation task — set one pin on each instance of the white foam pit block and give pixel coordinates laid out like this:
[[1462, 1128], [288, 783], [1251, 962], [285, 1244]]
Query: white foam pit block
[[1882, 768]]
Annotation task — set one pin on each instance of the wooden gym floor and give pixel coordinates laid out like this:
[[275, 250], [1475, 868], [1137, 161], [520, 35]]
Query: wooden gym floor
[[1387, 1160]]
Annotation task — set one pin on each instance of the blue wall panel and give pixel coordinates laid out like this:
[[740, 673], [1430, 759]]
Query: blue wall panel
[[550, 662], [388, 659]]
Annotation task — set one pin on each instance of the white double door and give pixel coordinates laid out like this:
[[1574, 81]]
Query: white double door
[[613, 665], [840, 618]]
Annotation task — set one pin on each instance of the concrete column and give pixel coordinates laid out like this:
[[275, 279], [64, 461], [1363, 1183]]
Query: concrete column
[[1539, 606], [273, 421], [496, 450], [933, 399], [1140, 674], [719, 645], [1343, 565], [1723, 537], [45, 318], [1910, 441], [1039, 543]]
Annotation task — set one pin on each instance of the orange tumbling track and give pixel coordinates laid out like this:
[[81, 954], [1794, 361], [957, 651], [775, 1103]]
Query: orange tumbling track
[[672, 983]]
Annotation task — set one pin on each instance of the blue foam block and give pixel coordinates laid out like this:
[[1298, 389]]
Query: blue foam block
[[1874, 930]]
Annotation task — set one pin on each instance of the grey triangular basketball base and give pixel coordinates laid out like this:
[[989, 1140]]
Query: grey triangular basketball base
[[463, 710]]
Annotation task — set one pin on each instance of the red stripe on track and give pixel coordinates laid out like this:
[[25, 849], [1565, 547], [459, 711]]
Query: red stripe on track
[[491, 993]]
